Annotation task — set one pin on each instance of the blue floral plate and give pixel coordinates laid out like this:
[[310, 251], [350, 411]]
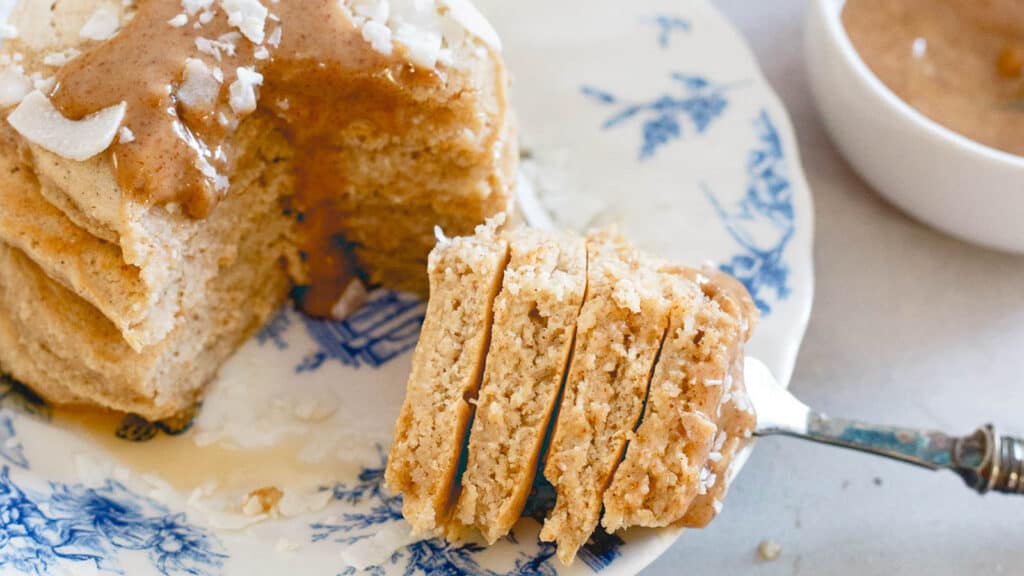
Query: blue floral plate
[[651, 114]]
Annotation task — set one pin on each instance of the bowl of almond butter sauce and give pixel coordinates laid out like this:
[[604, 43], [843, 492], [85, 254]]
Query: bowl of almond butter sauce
[[925, 98]]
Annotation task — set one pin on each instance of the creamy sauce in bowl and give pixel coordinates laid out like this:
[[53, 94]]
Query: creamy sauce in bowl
[[959, 62]]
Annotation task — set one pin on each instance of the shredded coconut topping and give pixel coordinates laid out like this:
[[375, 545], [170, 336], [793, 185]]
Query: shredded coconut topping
[[41, 123], [200, 87], [125, 135], [191, 7], [103, 23], [430, 30], [243, 90], [178, 21], [14, 85], [249, 16], [60, 58]]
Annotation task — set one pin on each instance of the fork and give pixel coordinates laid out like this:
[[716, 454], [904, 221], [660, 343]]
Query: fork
[[985, 460]]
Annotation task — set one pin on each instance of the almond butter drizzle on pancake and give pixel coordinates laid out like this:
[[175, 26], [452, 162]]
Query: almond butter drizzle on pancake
[[322, 77]]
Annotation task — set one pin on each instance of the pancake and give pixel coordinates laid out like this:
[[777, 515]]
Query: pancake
[[465, 277], [145, 141], [619, 334], [668, 463], [533, 329]]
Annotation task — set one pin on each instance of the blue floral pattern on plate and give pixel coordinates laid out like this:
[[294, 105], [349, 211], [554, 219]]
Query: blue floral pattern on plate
[[16, 400], [669, 24], [436, 556], [385, 328], [72, 524], [698, 101], [768, 202]]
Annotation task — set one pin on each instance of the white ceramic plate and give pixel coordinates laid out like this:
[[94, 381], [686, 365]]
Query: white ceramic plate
[[652, 114]]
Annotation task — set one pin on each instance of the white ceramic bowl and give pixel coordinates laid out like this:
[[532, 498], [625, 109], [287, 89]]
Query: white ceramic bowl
[[947, 180]]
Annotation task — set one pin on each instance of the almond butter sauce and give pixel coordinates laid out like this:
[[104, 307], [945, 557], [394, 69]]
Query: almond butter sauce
[[960, 62], [322, 77], [186, 465]]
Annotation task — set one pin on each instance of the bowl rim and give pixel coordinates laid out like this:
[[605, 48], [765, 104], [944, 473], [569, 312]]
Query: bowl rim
[[832, 13]]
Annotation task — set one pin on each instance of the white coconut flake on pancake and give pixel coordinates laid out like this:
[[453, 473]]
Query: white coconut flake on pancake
[[429, 30], [37, 120], [14, 85], [103, 23], [467, 15], [243, 90], [193, 6], [199, 87], [249, 16]]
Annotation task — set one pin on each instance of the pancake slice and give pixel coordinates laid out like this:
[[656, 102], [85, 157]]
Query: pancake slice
[[664, 468], [735, 413], [465, 275], [534, 324], [619, 334], [736, 425]]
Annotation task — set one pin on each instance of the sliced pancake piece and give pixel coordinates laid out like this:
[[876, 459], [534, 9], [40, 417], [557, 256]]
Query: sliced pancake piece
[[664, 467], [534, 324], [619, 333], [735, 413], [465, 275], [736, 425]]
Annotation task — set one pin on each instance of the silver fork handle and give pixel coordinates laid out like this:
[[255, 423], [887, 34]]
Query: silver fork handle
[[985, 460]]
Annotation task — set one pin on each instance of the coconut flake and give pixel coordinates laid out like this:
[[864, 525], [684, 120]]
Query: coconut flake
[[220, 182], [467, 15], [249, 16], [243, 90], [192, 6], [125, 135], [102, 25], [60, 58], [199, 87], [371, 10], [275, 37], [224, 44], [351, 300], [207, 46], [37, 120], [178, 21], [14, 86], [378, 36], [439, 234], [423, 45], [295, 504], [43, 83], [431, 30]]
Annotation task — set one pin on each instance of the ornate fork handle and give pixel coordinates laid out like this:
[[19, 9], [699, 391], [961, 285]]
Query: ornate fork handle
[[985, 460], [988, 461]]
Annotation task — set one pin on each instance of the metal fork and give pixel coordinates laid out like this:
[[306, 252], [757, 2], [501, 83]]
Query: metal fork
[[985, 460]]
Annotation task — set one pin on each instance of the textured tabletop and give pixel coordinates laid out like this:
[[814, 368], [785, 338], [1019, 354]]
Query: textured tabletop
[[909, 327]]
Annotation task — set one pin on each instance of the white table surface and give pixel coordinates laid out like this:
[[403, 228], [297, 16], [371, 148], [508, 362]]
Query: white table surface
[[909, 328]]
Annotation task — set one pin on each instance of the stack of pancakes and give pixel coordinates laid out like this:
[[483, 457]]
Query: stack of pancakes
[[172, 169]]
